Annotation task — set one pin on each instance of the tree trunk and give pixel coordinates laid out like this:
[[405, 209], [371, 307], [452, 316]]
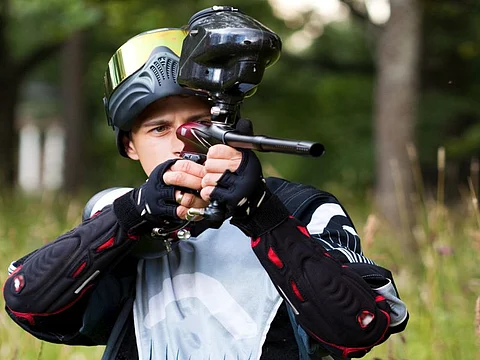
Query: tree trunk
[[9, 87], [8, 134], [73, 96], [12, 74], [396, 96]]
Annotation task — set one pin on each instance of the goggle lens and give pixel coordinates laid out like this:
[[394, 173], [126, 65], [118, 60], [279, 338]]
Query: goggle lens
[[132, 55]]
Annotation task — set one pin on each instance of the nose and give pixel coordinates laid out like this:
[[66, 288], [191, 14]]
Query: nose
[[177, 146]]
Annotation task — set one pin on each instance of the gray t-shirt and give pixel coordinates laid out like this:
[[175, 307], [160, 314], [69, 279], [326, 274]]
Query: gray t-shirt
[[209, 298]]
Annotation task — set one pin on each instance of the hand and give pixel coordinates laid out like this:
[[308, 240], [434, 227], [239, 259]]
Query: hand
[[187, 175], [161, 199], [160, 204], [234, 178], [219, 159]]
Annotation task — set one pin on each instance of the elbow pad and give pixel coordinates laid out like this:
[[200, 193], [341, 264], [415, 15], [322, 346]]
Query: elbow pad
[[381, 281], [56, 277], [331, 302]]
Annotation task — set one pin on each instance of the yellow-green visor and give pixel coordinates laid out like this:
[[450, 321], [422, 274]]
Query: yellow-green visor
[[132, 55]]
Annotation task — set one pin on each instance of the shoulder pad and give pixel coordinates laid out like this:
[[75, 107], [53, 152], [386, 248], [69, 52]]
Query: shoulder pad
[[102, 199]]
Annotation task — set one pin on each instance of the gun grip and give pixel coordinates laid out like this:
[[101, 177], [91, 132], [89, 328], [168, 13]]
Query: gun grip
[[215, 214]]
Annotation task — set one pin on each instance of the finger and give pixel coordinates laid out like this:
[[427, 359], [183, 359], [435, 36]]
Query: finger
[[213, 165], [189, 200], [211, 179], [182, 179], [206, 192], [188, 167], [179, 196], [221, 151]]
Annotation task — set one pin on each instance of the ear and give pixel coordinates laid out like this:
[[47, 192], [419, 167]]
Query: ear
[[129, 147]]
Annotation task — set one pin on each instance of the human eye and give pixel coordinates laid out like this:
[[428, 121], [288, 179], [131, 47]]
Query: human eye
[[160, 129], [204, 121]]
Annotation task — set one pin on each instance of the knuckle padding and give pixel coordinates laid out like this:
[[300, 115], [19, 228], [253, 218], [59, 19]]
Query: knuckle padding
[[164, 195], [227, 179], [232, 186], [328, 295]]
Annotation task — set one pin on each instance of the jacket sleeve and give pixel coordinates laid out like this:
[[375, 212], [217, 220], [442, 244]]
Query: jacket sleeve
[[50, 290], [332, 227], [340, 298]]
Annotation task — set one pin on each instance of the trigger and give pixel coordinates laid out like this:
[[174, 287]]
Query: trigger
[[198, 158]]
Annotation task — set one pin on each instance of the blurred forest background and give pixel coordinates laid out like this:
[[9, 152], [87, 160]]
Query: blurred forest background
[[390, 87]]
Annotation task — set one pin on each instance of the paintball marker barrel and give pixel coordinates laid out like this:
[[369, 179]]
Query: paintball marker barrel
[[267, 144], [199, 137]]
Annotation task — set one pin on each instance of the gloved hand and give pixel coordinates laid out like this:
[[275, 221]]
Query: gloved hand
[[155, 200], [234, 177], [150, 205], [242, 190]]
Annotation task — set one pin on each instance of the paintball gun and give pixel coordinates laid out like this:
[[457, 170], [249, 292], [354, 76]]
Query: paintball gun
[[224, 56]]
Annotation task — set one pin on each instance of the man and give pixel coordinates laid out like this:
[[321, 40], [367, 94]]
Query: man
[[283, 277]]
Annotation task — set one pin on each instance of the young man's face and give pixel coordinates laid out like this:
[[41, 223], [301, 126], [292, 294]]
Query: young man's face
[[153, 138]]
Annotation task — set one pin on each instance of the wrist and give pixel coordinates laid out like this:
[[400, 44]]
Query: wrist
[[126, 212], [266, 217]]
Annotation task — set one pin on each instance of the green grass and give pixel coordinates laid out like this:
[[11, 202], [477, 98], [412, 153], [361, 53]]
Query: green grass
[[26, 224], [440, 286]]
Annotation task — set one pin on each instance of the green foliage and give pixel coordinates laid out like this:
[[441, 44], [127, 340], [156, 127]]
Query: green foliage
[[465, 144], [64, 18], [317, 104], [453, 122], [449, 111], [347, 46]]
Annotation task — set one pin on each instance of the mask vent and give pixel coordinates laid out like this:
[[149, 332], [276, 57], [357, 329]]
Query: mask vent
[[174, 70], [164, 69]]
